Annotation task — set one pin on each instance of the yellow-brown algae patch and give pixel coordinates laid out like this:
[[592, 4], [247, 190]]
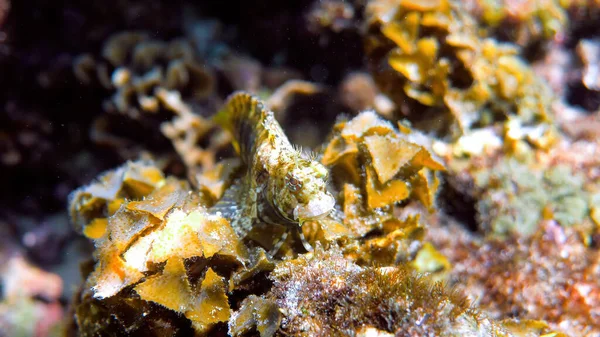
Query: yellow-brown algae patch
[[430, 260], [391, 247], [111, 275], [169, 289], [444, 73], [103, 197], [369, 152], [530, 327], [162, 200], [389, 154], [424, 187], [337, 149], [218, 237], [172, 290], [331, 230], [383, 195], [114, 205], [96, 228], [126, 226], [179, 238], [139, 181], [356, 217], [367, 120], [211, 305], [260, 262]]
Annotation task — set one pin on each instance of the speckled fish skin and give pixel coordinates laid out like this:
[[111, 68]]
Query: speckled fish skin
[[281, 185]]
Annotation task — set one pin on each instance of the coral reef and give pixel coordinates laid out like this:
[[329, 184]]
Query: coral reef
[[170, 260], [525, 23], [326, 295], [154, 243], [551, 275], [515, 197], [452, 79], [391, 168]]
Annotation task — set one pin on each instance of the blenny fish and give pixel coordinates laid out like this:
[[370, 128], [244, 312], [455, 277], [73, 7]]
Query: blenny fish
[[281, 185]]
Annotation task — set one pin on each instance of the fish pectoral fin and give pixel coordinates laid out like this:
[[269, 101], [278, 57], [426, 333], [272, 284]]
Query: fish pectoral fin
[[236, 206], [228, 206]]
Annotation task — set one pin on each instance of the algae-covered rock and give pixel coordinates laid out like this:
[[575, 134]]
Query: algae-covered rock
[[515, 197], [164, 253], [389, 165], [324, 294], [161, 248], [444, 74], [525, 23], [105, 196]]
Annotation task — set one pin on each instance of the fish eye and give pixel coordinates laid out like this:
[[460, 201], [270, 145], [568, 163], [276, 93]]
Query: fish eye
[[292, 183]]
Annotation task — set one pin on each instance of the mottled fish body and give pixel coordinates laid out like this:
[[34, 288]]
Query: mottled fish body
[[280, 184]]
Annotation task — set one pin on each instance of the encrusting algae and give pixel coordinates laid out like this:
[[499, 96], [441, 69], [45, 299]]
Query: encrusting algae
[[444, 74], [149, 232], [171, 260]]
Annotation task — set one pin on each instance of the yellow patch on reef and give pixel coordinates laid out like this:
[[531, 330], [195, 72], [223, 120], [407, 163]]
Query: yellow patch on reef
[[160, 201], [104, 197], [218, 237], [363, 122], [114, 205], [170, 289], [112, 274], [179, 237], [148, 227], [140, 184], [595, 216], [96, 229], [424, 186], [354, 209], [392, 246], [369, 151], [424, 5], [430, 260], [211, 305], [127, 226], [382, 195], [424, 158], [530, 327], [389, 155], [337, 149]]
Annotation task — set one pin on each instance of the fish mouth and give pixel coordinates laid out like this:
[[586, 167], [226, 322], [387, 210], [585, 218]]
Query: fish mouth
[[315, 209]]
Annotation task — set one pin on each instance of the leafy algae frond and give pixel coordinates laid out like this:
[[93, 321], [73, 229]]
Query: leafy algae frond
[[281, 184]]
